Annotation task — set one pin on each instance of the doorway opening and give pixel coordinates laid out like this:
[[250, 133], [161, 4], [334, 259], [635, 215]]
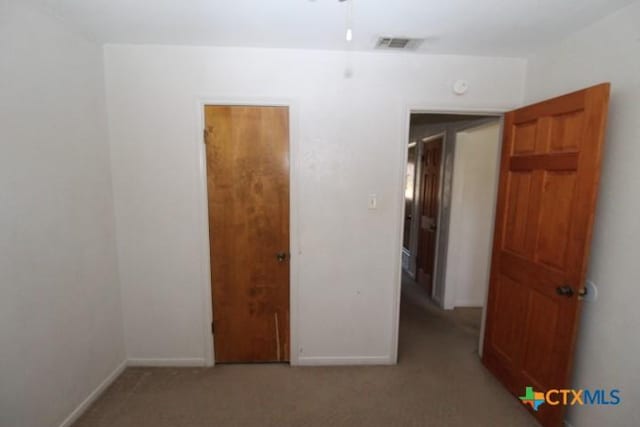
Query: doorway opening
[[450, 198], [544, 215]]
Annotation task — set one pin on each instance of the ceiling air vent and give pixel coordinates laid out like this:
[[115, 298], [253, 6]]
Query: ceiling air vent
[[398, 43]]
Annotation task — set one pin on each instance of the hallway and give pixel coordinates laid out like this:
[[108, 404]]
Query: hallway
[[439, 381]]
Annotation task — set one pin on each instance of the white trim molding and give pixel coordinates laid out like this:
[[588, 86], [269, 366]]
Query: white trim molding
[[84, 405], [345, 360], [186, 362]]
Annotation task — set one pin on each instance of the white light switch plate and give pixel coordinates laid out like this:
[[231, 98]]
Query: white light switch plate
[[373, 202]]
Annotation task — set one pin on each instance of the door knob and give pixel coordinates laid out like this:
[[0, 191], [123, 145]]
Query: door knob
[[564, 291], [281, 256]]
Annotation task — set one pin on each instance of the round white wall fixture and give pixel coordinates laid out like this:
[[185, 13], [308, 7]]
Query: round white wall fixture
[[592, 292], [460, 87]]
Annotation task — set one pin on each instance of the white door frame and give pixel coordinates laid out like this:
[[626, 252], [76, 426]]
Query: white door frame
[[203, 220], [402, 147]]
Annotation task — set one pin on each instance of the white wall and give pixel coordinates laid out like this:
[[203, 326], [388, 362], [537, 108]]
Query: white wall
[[473, 200], [60, 315], [349, 143], [608, 345]]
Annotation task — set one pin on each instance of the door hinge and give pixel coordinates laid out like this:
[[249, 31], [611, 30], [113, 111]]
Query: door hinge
[[204, 136], [213, 330]]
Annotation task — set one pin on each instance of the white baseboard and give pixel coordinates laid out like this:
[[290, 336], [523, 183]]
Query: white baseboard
[[437, 300], [82, 407], [344, 360], [468, 304], [150, 362]]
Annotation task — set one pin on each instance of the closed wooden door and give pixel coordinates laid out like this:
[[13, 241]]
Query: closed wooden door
[[429, 199], [548, 183], [248, 191]]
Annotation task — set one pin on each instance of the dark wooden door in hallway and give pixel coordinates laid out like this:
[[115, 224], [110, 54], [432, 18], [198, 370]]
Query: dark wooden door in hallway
[[429, 199]]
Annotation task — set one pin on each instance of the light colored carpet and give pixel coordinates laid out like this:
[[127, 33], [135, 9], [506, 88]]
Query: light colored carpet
[[439, 381]]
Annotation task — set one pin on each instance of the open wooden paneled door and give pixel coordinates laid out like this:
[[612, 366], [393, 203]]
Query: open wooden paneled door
[[549, 176]]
